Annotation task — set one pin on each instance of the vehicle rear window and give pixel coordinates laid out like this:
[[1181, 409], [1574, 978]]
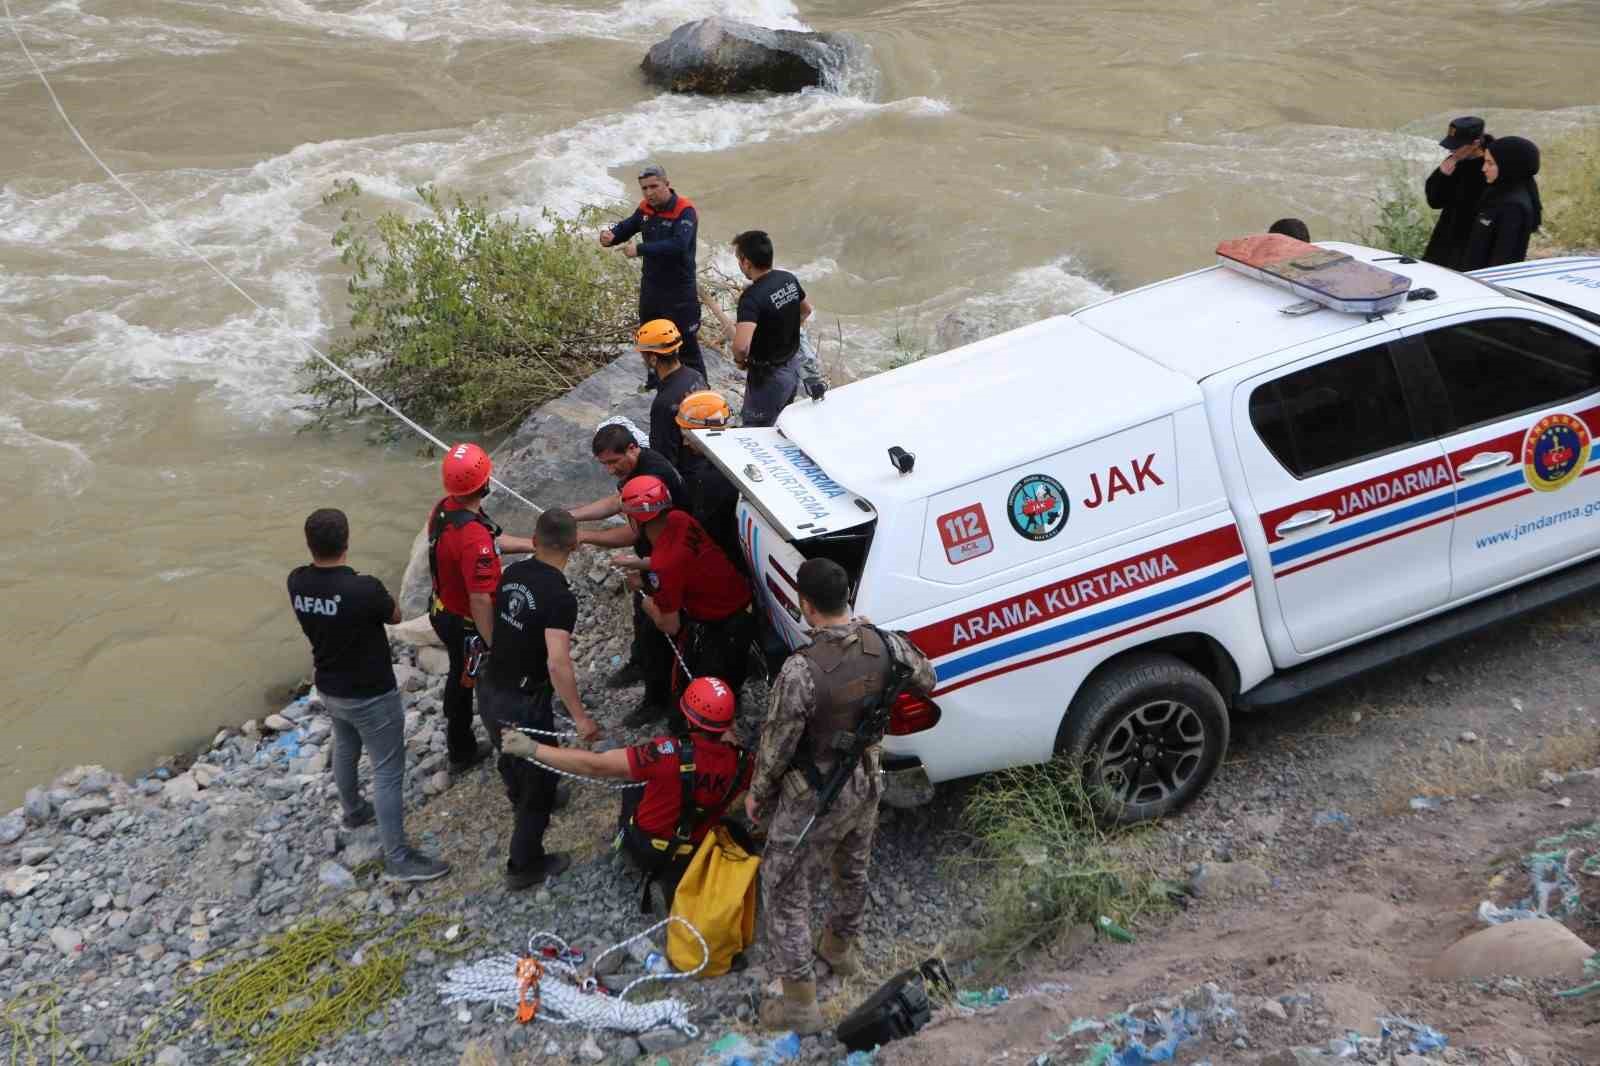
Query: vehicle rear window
[[1335, 413], [1501, 367]]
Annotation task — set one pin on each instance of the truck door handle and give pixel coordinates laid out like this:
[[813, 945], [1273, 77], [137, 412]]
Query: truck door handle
[[1483, 461], [1302, 520]]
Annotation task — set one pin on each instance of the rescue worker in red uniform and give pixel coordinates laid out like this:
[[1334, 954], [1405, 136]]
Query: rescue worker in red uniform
[[691, 592], [464, 547], [690, 781]]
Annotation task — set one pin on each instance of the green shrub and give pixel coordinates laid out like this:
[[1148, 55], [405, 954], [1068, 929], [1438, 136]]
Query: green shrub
[[465, 319], [1569, 183], [1050, 863], [1400, 219]]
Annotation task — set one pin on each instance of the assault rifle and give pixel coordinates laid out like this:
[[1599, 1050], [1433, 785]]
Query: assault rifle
[[852, 746]]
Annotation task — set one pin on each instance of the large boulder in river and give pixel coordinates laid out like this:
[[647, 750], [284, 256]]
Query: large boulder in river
[[718, 55]]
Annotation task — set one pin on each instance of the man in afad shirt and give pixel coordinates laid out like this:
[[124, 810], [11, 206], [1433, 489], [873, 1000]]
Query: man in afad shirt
[[766, 339], [530, 663], [657, 832], [692, 593], [464, 547], [343, 615], [649, 660]]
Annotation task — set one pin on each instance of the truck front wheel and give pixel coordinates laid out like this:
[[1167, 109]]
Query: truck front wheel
[[1150, 731]]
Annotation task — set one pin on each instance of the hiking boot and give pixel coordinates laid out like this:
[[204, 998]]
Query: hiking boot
[[839, 953], [482, 752], [797, 1010], [553, 864], [626, 676], [649, 710], [414, 866], [365, 814]]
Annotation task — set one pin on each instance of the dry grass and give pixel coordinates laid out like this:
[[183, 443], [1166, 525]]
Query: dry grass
[[1481, 769], [1569, 182], [1046, 862]]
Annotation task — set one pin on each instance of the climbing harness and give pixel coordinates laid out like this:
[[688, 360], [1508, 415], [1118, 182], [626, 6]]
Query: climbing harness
[[550, 983], [176, 238]]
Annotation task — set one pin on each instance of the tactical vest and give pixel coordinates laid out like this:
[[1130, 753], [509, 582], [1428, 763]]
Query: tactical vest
[[441, 520], [847, 675]]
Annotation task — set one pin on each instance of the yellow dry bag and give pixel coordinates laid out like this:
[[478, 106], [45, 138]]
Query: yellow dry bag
[[716, 895]]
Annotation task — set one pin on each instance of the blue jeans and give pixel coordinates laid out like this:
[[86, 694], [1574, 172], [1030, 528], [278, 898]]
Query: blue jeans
[[378, 722]]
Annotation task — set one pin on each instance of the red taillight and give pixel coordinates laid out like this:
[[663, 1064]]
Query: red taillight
[[912, 714]]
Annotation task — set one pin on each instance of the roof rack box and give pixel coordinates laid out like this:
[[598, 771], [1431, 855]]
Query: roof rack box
[[1333, 279]]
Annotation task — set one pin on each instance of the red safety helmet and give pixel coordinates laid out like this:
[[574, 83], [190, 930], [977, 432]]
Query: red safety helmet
[[708, 704], [645, 497], [466, 469]]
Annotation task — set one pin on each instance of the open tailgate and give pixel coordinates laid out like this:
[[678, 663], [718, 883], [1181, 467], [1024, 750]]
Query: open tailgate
[[795, 495], [789, 509]]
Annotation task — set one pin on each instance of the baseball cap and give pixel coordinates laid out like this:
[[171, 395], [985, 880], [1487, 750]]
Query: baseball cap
[[1462, 131]]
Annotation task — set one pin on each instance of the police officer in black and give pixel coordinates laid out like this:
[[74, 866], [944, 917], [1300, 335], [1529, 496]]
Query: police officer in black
[[1454, 189], [668, 225], [530, 663]]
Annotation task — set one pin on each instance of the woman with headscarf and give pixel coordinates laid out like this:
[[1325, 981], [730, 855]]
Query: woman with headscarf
[[1510, 209]]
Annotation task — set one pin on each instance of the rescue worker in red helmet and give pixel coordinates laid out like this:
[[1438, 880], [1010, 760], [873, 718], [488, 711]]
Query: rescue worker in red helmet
[[464, 548], [690, 781], [691, 592]]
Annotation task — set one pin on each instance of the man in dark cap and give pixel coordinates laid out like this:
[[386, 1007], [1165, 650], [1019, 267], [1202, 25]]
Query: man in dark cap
[[1454, 189]]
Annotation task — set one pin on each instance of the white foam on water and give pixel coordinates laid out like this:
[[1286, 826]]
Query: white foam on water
[[64, 466], [570, 168], [62, 35], [266, 226], [1055, 288], [477, 20]]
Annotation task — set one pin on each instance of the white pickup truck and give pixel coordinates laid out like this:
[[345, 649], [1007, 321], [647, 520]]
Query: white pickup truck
[[1189, 499]]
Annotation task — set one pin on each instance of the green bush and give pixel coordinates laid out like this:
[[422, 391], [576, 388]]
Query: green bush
[[466, 319], [1050, 863], [1401, 220]]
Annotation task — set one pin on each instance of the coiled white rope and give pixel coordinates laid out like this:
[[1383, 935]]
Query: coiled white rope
[[567, 996], [178, 239]]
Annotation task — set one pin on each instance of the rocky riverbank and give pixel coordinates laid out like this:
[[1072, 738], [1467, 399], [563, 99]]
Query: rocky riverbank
[[125, 892], [1306, 935]]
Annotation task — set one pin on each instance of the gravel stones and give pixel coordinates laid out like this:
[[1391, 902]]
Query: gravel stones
[[335, 876], [277, 723], [21, 881], [1223, 880], [67, 940], [36, 806], [12, 826], [86, 807], [435, 661], [180, 791]]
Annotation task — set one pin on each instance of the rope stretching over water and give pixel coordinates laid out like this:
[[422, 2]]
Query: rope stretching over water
[[177, 238]]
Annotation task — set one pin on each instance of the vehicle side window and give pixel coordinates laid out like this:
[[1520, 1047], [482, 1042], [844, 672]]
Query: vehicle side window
[[1332, 414], [1504, 366]]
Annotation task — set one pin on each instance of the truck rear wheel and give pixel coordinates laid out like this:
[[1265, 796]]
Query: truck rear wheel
[[1150, 731]]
